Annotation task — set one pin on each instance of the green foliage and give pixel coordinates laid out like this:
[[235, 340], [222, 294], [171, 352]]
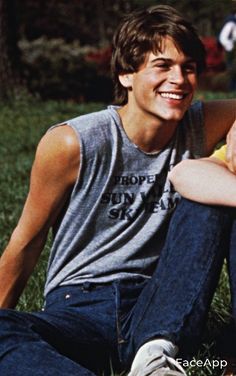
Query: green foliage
[[93, 22], [59, 70]]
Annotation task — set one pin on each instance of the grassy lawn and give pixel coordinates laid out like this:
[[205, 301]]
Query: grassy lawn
[[21, 126]]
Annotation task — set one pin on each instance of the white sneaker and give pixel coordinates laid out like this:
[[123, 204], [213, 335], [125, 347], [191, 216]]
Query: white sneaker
[[158, 365]]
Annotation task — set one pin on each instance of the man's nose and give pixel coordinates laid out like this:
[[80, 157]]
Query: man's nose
[[177, 75]]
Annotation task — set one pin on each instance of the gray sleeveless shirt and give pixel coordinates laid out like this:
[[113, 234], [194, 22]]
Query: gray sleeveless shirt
[[116, 220]]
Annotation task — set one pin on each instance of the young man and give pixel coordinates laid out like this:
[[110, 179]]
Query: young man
[[118, 285]]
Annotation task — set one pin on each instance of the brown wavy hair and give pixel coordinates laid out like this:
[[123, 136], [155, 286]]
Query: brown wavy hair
[[143, 31]]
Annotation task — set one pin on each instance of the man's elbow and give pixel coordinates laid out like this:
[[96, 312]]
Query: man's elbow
[[177, 174]]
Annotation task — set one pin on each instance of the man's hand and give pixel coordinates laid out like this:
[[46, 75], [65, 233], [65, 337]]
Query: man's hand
[[231, 148]]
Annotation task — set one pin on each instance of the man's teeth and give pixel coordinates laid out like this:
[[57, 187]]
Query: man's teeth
[[172, 95]]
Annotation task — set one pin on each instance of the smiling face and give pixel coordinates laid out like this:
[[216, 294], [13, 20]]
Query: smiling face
[[164, 85]]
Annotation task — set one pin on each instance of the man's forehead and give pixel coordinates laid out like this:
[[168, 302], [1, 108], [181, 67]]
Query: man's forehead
[[170, 54], [166, 46]]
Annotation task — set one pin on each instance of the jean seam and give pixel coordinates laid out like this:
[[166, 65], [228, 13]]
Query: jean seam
[[194, 297]]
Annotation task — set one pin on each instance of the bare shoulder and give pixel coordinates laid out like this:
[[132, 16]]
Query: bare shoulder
[[219, 116], [220, 110], [58, 153], [60, 138]]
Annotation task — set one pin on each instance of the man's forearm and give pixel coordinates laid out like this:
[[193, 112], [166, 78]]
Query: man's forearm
[[13, 278], [16, 265], [205, 181]]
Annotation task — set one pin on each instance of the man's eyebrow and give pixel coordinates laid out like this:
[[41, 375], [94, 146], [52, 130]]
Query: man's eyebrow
[[161, 59], [167, 60]]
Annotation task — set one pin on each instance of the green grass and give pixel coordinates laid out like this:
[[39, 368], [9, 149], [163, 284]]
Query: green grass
[[22, 124]]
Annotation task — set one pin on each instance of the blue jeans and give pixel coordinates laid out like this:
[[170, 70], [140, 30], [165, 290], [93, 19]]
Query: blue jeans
[[84, 328]]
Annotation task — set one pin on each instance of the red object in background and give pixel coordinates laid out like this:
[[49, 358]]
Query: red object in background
[[101, 57], [215, 58]]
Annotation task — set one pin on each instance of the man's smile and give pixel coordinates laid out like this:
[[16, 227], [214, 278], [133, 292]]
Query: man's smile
[[172, 95]]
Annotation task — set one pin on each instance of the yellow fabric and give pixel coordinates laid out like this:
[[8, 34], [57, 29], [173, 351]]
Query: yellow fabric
[[220, 153]]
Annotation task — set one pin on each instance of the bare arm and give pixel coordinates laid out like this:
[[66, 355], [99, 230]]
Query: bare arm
[[53, 174], [207, 180], [220, 116]]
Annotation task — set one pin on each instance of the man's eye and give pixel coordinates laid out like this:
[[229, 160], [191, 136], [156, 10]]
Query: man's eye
[[162, 66], [190, 68]]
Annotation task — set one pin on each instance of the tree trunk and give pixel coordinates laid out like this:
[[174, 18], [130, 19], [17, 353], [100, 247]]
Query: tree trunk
[[10, 83]]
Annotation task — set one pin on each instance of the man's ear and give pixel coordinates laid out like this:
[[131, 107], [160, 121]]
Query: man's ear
[[126, 80]]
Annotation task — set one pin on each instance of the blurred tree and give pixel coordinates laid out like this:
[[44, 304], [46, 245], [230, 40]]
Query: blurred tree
[[10, 78], [90, 22], [93, 22]]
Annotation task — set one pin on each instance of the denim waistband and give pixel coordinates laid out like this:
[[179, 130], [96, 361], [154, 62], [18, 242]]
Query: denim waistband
[[90, 286]]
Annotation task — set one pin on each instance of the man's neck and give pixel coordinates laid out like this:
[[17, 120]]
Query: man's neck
[[148, 132]]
